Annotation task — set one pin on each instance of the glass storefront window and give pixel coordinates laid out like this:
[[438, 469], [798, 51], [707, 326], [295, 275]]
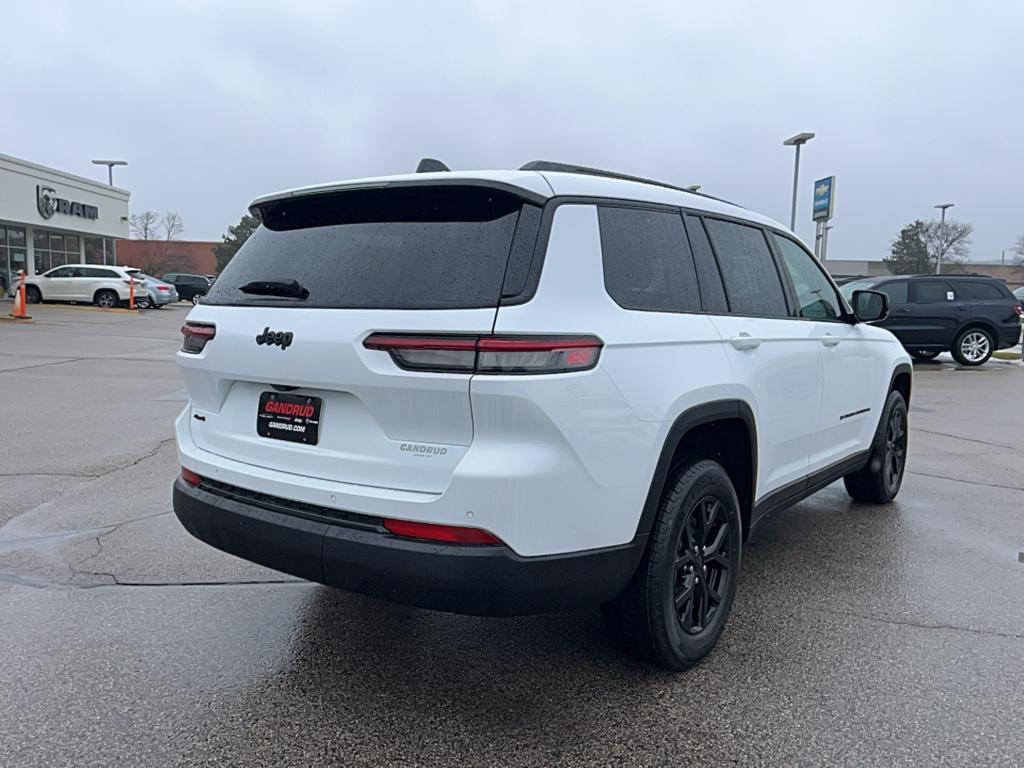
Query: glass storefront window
[[93, 250], [12, 255], [52, 249]]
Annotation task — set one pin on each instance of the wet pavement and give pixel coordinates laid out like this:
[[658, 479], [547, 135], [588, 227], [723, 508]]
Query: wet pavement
[[861, 635]]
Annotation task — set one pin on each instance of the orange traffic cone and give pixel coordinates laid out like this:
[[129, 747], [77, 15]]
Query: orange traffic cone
[[19, 299]]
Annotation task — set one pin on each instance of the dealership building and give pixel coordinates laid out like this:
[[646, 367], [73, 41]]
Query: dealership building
[[49, 217]]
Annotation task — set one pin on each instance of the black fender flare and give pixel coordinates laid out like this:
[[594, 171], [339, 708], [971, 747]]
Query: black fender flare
[[704, 413]]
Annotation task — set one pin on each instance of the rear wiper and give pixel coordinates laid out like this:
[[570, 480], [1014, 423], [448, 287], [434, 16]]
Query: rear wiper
[[289, 288]]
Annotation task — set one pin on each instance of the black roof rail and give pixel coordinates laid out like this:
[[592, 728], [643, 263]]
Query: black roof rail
[[548, 165], [430, 165]]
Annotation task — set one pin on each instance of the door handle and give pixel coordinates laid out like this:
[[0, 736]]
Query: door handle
[[744, 341], [903, 311], [961, 309], [829, 340]]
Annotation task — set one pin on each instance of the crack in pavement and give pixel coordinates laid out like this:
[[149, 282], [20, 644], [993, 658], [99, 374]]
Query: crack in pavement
[[921, 624], [969, 482], [966, 439], [43, 365], [103, 530], [94, 475]]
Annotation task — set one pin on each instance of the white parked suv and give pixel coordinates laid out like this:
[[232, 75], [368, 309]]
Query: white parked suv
[[510, 392], [104, 285]]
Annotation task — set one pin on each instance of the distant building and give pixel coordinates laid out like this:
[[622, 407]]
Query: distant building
[[1013, 274], [50, 217], [157, 257]]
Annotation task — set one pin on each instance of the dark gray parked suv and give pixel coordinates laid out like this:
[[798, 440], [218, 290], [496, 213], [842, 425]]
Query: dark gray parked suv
[[189, 287], [970, 316]]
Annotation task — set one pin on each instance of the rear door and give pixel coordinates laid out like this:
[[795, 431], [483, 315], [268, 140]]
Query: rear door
[[406, 260], [935, 314], [776, 357]]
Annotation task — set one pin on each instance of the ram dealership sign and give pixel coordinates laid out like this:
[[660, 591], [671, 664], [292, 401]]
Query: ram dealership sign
[[49, 204]]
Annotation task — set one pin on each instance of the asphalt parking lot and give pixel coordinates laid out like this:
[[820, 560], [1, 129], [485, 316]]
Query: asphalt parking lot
[[861, 635]]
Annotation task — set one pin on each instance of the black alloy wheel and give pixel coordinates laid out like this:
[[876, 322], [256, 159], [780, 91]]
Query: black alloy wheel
[[703, 569], [895, 447]]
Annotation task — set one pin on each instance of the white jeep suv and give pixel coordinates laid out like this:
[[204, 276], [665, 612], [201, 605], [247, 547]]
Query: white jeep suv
[[507, 392]]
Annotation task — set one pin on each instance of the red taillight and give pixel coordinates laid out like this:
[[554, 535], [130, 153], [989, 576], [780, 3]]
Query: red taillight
[[1019, 308], [196, 335], [190, 477], [452, 534], [489, 354], [163, 288]]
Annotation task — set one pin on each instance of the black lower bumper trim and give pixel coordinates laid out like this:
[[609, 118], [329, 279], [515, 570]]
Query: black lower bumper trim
[[479, 580]]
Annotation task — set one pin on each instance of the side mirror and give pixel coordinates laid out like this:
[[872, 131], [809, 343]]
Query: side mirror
[[870, 306]]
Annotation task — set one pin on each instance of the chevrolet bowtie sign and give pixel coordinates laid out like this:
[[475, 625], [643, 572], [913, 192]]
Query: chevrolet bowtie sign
[[48, 204], [824, 198]]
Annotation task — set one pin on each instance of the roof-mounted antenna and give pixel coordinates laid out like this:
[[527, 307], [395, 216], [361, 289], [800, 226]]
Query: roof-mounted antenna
[[430, 165]]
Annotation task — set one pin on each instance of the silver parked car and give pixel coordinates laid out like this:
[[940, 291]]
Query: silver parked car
[[159, 292]]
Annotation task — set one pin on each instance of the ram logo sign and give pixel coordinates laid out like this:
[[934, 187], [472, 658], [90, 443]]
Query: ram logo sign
[[48, 204]]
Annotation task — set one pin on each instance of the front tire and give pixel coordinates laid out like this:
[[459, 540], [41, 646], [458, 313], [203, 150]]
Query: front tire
[[33, 295], [676, 606], [880, 479], [973, 346]]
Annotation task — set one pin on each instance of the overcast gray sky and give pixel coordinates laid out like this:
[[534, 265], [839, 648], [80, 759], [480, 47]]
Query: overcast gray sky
[[913, 103]]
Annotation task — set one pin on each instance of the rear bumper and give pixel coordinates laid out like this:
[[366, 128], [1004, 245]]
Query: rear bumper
[[359, 555], [1009, 336]]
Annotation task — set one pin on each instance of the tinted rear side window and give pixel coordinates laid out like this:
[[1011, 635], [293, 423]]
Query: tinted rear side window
[[712, 292], [975, 289], [400, 248], [752, 282], [932, 291], [647, 261]]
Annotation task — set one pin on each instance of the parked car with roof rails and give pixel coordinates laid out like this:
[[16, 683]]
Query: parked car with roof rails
[[508, 392], [190, 287], [103, 285], [970, 316]]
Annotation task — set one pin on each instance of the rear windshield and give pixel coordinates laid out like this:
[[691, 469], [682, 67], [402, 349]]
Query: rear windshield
[[399, 248]]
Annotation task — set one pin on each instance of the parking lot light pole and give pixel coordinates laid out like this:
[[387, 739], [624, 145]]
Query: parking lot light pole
[[110, 168], [942, 229], [796, 141]]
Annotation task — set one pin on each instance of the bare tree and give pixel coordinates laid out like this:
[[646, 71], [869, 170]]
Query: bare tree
[[948, 242], [172, 225], [144, 225], [1018, 248], [160, 233]]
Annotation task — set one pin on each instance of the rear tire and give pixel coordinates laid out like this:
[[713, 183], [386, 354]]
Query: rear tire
[[676, 606], [924, 354], [106, 299], [195, 298], [880, 479], [973, 346]]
